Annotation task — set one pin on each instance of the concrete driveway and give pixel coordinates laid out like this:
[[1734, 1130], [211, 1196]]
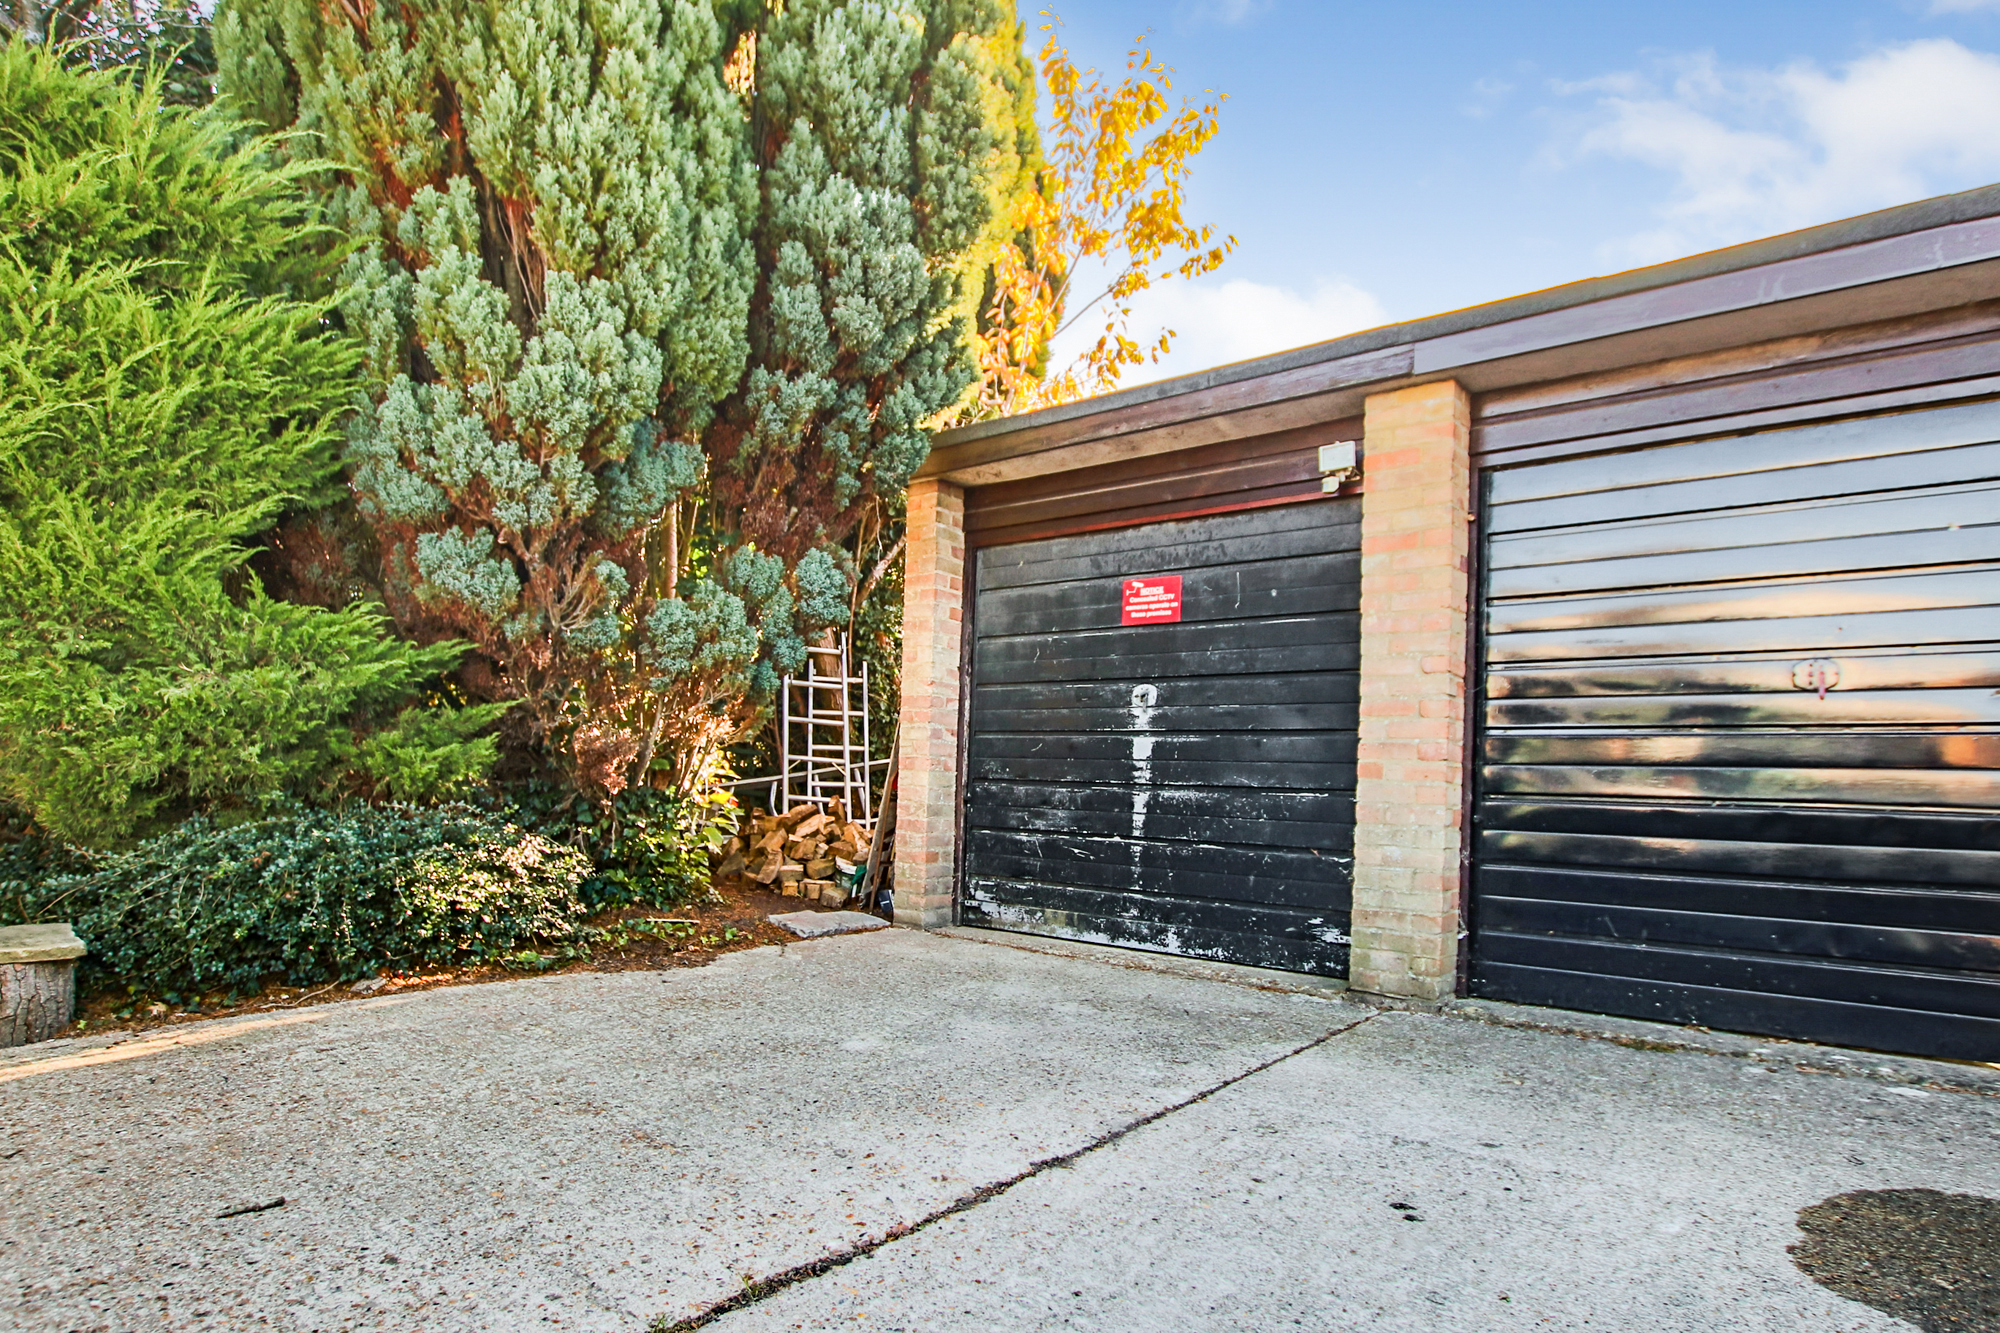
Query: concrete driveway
[[613, 1151]]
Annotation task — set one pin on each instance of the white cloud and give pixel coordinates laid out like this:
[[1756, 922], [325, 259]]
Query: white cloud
[[1487, 95], [1756, 151], [1215, 323]]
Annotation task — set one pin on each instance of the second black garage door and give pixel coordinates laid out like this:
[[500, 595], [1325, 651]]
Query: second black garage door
[[1184, 786], [1742, 717]]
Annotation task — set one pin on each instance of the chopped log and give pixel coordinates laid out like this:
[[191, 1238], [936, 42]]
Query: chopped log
[[805, 843]]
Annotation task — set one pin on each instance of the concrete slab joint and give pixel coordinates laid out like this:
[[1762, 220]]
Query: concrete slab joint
[[1416, 546], [927, 772]]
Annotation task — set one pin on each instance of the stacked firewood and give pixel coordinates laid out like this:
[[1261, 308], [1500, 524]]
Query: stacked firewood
[[808, 852]]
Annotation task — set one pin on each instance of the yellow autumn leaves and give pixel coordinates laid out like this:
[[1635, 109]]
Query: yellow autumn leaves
[[1107, 208]]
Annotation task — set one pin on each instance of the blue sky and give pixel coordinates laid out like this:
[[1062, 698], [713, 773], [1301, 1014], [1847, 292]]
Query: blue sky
[[1383, 162]]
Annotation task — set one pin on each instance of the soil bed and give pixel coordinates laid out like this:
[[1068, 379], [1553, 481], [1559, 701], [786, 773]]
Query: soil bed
[[691, 934]]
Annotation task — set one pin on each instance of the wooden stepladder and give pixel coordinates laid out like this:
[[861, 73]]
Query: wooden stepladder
[[823, 734]]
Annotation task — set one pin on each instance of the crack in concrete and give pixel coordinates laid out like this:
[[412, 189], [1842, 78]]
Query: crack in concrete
[[762, 1289]]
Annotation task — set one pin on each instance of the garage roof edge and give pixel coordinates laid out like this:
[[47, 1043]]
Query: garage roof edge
[[1438, 343]]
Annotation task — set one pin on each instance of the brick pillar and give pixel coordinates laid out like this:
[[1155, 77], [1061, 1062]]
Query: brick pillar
[[927, 771], [1408, 801]]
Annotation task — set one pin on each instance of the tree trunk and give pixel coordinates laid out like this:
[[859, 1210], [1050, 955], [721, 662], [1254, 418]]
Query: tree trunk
[[37, 1000]]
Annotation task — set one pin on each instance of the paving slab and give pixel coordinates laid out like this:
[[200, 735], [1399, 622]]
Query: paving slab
[[815, 925], [46, 943], [1428, 1174], [586, 1151]]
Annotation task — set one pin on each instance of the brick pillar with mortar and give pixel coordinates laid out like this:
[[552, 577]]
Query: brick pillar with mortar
[[927, 738], [1409, 834]]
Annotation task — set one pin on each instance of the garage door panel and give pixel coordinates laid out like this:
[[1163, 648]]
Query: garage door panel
[[1941, 545], [1167, 547], [1812, 598], [1169, 910], [1847, 786], [1729, 462], [1215, 718], [1283, 807], [1737, 930], [1318, 643], [1305, 687], [1252, 590], [1857, 828], [1328, 839], [1778, 749], [1145, 867], [1944, 707], [1661, 757], [1183, 786], [1939, 991], [1979, 462], [1859, 672], [1947, 1036], [1806, 636], [1833, 861], [1754, 531], [1320, 821], [1966, 912], [1290, 943], [1165, 747], [1284, 777]]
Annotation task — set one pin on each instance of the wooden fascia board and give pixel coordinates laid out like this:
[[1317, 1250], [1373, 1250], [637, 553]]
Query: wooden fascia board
[[1768, 284], [1921, 294], [1297, 397]]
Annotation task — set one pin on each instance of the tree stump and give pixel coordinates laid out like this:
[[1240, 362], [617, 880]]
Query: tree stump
[[37, 982]]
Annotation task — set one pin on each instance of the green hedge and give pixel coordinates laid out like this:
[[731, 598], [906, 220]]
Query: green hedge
[[649, 848], [308, 897]]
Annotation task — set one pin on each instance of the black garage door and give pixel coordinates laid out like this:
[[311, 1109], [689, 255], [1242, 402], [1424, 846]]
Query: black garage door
[[1179, 786], [1740, 729]]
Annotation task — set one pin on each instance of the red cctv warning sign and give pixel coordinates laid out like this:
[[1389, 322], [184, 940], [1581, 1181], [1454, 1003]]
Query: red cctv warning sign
[[1152, 601]]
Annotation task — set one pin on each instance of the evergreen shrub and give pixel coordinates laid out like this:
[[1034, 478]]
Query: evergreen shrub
[[170, 388], [651, 848], [304, 897]]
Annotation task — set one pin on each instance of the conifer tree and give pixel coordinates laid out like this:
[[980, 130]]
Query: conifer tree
[[550, 203], [657, 294], [163, 398]]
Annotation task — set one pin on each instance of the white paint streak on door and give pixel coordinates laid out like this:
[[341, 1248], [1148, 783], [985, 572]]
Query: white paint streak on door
[[1145, 701]]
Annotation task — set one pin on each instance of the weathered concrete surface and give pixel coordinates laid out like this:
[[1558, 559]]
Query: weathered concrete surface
[[593, 1151], [584, 1151], [1561, 1182]]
